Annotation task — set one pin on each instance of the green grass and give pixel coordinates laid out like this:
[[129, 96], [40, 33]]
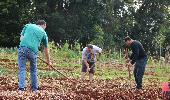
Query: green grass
[[66, 58], [4, 71], [110, 74], [42, 74]]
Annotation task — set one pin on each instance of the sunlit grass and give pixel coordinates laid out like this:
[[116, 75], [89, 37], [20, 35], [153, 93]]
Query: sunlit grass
[[4, 71], [71, 59]]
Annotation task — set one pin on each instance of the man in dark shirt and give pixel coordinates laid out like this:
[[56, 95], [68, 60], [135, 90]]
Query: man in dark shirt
[[138, 58]]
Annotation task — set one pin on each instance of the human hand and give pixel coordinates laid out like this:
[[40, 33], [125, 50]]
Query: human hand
[[128, 60], [50, 65], [129, 64], [88, 69]]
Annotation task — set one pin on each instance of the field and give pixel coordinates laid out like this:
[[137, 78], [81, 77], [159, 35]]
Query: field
[[111, 78]]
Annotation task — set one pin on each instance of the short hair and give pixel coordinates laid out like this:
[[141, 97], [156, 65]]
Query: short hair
[[40, 22], [89, 46], [127, 39]]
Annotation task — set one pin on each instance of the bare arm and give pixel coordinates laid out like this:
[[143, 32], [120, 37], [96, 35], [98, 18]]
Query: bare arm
[[99, 52], [23, 32], [85, 59], [85, 62], [21, 37], [46, 50]]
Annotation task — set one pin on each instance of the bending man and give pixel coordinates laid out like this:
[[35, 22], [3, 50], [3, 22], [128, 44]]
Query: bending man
[[88, 60]]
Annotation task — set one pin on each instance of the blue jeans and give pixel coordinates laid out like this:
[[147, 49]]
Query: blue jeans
[[139, 71], [25, 53]]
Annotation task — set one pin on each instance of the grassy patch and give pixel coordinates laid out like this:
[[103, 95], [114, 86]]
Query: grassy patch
[[66, 58], [4, 71], [42, 74]]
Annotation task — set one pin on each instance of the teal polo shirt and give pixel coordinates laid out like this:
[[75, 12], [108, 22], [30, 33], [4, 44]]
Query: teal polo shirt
[[33, 35]]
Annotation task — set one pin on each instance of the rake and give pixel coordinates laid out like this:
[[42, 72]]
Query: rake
[[57, 70], [126, 56]]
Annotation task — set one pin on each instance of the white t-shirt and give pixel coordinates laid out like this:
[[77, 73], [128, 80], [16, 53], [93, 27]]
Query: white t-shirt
[[95, 51]]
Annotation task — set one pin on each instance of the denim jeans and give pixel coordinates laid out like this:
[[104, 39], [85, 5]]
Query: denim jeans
[[25, 53], [139, 71]]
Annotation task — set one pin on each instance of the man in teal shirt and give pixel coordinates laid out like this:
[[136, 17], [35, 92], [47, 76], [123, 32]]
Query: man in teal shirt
[[31, 37]]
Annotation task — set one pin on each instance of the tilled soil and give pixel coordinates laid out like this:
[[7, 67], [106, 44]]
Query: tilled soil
[[63, 89]]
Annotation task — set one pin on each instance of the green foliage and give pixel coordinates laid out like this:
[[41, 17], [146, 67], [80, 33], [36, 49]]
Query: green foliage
[[101, 22], [64, 58], [99, 37], [43, 74], [3, 71], [60, 52]]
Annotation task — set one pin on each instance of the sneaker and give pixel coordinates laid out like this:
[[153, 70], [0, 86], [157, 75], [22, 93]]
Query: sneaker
[[21, 91], [35, 92], [139, 88], [34, 89]]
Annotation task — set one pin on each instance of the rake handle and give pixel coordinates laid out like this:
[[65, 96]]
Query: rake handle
[[55, 69], [126, 56]]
